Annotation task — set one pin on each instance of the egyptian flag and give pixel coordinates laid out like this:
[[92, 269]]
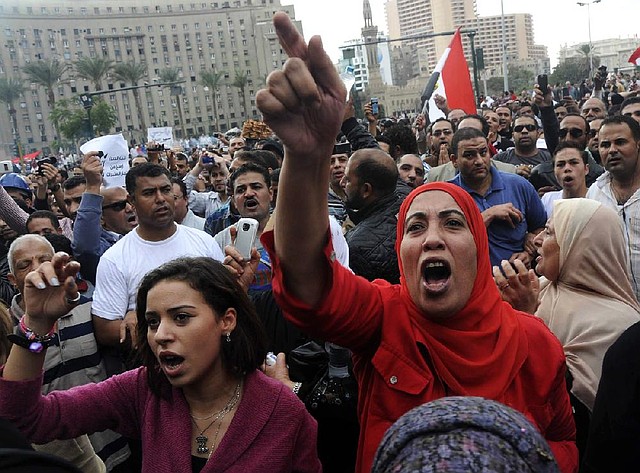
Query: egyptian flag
[[635, 57], [451, 79]]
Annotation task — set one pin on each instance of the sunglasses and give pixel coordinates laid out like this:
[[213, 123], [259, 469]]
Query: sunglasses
[[441, 132], [117, 206], [528, 127], [574, 132]]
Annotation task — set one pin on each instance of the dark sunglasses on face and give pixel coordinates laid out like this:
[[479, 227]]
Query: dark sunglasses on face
[[441, 132], [574, 132], [528, 127], [117, 206]]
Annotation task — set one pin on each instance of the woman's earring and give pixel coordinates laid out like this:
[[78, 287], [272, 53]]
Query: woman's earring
[[228, 337]]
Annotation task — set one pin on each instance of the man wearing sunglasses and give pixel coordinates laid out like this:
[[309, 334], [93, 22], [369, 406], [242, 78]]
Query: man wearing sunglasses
[[526, 154]]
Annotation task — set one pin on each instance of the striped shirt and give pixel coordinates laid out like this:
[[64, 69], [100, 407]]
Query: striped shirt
[[74, 360]]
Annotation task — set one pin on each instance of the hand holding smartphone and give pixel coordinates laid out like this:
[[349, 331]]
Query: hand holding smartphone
[[543, 83], [246, 236], [375, 109]]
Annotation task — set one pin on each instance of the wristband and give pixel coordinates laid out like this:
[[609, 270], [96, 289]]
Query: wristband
[[32, 336], [24, 342]]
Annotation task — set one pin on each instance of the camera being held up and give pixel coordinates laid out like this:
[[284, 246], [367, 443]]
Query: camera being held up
[[46, 160]]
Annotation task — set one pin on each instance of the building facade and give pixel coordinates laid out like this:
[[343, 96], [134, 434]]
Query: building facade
[[613, 53], [235, 36]]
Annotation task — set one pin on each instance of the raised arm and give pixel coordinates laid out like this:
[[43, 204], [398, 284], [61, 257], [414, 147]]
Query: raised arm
[[303, 104], [49, 293]]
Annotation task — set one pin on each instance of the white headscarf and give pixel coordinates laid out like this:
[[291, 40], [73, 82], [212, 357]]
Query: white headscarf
[[592, 302]]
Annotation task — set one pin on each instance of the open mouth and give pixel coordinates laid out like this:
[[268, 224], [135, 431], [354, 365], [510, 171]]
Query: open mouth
[[132, 219], [250, 203], [436, 275], [567, 180], [171, 363]]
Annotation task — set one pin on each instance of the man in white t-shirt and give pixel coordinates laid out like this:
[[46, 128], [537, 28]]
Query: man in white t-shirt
[[156, 240], [570, 166]]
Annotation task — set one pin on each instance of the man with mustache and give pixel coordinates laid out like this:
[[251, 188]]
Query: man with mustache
[[619, 187], [251, 184], [156, 240]]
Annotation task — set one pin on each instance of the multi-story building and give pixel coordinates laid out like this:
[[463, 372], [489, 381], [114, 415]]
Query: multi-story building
[[424, 17], [613, 53], [519, 39], [419, 17], [190, 37]]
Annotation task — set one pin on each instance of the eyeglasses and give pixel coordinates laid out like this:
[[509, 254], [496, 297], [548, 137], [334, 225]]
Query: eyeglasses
[[574, 132], [118, 206], [528, 127], [446, 132]]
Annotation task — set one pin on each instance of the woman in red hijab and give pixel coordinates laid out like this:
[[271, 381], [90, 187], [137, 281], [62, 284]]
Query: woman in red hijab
[[444, 330]]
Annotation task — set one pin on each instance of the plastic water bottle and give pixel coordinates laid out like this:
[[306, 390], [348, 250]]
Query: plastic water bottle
[[348, 78]]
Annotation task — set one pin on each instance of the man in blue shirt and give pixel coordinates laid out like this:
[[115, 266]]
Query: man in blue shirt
[[510, 206]]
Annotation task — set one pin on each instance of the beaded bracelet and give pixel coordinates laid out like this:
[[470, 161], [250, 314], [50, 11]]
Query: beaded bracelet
[[296, 388], [30, 340]]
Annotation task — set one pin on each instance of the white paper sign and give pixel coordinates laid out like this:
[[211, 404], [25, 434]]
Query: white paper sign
[[161, 135], [115, 160]]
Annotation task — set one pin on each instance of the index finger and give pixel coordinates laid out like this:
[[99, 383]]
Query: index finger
[[290, 38]]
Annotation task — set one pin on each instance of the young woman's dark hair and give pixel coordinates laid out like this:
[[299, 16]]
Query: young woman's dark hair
[[248, 346]]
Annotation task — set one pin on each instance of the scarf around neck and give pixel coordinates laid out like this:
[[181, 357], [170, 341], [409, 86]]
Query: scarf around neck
[[480, 349]]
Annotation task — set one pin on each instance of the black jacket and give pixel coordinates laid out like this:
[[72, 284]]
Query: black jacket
[[372, 241]]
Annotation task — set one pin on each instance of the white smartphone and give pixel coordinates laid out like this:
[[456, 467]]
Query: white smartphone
[[246, 236]]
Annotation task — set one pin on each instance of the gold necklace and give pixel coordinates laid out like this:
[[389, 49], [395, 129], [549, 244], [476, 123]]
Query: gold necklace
[[201, 439]]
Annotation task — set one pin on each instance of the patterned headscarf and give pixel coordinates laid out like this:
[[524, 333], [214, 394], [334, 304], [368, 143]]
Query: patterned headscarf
[[465, 435]]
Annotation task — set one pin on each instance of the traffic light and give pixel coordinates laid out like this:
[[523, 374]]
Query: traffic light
[[15, 151], [480, 58]]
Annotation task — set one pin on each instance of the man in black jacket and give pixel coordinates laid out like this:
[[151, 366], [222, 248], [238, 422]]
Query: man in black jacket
[[370, 182]]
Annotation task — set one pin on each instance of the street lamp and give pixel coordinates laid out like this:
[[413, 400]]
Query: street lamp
[[588, 5]]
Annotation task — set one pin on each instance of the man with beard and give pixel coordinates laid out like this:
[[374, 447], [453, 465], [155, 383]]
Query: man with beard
[[204, 204], [156, 240], [372, 204], [618, 188], [252, 194]]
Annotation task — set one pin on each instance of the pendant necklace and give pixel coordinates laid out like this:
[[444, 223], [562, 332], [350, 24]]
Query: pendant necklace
[[201, 439]]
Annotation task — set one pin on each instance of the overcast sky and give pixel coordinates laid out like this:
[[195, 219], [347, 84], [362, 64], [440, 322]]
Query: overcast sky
[[555, 22]]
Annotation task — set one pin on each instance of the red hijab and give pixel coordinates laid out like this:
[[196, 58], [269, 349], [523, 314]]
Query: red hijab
[[479, 350]]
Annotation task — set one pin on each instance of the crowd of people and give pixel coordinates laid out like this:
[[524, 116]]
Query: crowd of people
[[470, 283]]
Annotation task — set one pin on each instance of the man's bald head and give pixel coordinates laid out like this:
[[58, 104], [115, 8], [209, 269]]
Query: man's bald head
[[375, 167]]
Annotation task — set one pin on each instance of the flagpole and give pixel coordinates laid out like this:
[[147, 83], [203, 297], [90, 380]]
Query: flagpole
[[505, 67]]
